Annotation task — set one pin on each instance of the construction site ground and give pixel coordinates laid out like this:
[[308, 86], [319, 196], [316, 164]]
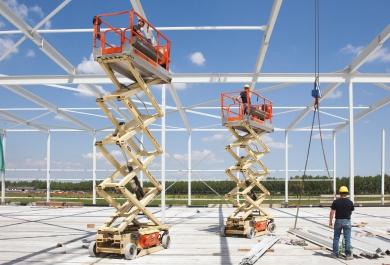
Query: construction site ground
[[31, 235]]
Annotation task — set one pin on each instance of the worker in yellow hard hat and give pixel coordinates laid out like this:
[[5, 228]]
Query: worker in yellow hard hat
[[342, 207]]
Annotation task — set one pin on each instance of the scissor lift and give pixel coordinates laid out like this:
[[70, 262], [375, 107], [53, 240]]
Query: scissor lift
[[132, 70], [247, 123]]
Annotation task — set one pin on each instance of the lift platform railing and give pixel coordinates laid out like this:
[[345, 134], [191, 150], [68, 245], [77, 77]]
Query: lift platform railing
[[257, 108], [148, 42]]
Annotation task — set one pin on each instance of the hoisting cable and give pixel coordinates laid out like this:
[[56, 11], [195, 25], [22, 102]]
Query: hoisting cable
[[316, 94]]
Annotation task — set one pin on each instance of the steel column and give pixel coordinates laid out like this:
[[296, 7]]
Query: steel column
[[334, 165], [94, 169], [48, 167], [189, 165], [351, 143], [383, 166], [141, 173], [286, 166], [163, 146], [3, 173]]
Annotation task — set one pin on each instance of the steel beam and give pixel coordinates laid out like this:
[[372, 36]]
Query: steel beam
[[179, 107], [266, 38], [22, 121], [46, 47], [374, 107], [306, 111], [188, 28], [39, 25], [351, 69], [202, 78], [371, 48], [43, 103]]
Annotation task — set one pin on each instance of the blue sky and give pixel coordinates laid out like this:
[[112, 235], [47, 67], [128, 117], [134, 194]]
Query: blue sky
[[346, 27]]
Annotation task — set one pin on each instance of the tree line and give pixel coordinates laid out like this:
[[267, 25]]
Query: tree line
[[312, 185]]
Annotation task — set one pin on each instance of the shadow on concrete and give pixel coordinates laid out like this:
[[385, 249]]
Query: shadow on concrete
[[224, 248], [44, 251]]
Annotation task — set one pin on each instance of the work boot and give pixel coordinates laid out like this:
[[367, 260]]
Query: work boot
[[349, 257], [334, 255]]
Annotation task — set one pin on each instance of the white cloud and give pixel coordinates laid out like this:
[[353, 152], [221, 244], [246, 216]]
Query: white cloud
[[273, 144], [197, 58], [205, 155], [99, 156], [336, 94], [85, 91], [21, 10], [6, 44], [41, 163], [89, 66], [381, 55], [59, 117], [350, 49], [325, 136], [47, 25], [215, 137], [30, 53], [37, 10]]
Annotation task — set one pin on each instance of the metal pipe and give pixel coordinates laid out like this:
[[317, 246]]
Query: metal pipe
[[94, 169], [3, 172], [286, 166], [351, 143], [189, 167], [334, 166], [163, 129], [383, 166], [48, 167]]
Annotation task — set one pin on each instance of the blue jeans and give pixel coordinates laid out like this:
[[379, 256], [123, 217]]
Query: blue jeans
[[345, 226]]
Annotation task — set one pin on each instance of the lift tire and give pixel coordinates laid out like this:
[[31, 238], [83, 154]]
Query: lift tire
[[165, 240], [130, 251], [271, 227], [251, 234], [92, 249]]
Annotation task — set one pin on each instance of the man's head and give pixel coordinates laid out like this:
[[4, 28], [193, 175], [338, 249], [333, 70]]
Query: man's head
[[141, 22], [343, 191], [247, 87]]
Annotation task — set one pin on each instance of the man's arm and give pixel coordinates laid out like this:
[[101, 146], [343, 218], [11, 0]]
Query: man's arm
[[331, 216]]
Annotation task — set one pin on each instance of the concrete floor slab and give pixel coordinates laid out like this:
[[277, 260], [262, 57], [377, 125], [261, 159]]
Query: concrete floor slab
[[29, 235]]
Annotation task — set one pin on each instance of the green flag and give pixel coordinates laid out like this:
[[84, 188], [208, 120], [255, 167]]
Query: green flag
[[2, 162]]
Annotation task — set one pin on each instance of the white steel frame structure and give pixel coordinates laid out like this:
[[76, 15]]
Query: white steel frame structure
[[349, 75]]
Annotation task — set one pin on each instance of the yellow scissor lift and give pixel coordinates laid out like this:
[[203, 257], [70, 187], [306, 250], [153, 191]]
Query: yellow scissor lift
[[248, 123], [126, 232]]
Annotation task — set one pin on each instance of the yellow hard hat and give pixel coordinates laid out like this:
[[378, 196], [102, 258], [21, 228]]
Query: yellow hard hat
[[343, 189]]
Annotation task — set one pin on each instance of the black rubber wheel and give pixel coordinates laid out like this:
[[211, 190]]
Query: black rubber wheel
[[92, 249], [130, 251], [165, 240], [271, 227]]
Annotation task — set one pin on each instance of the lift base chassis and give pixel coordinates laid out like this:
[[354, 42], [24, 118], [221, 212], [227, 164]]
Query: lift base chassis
[[251, 227], [143, 241]]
